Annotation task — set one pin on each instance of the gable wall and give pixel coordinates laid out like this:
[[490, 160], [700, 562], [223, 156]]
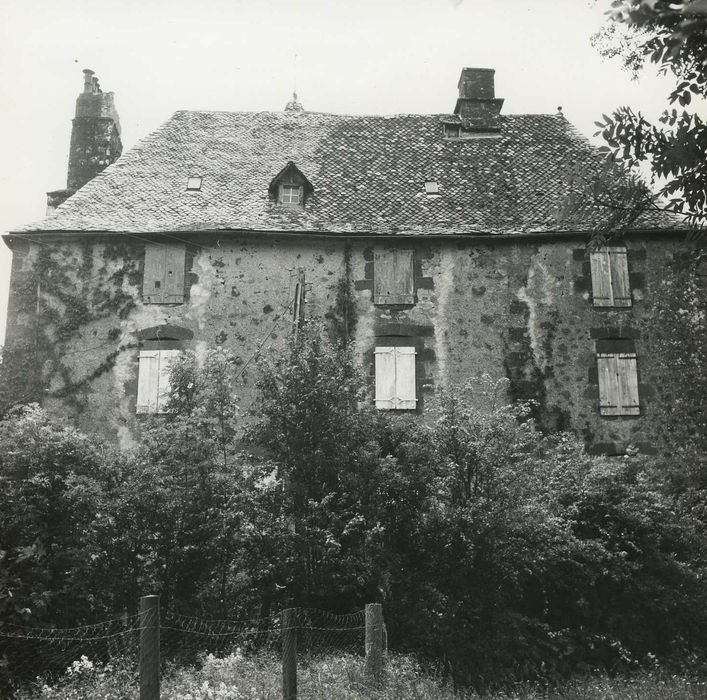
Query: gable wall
[[519, 310]]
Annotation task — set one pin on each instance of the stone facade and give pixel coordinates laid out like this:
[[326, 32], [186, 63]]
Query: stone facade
[[519, 309]]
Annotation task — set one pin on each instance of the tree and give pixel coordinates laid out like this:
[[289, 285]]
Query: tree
[[673, 35]]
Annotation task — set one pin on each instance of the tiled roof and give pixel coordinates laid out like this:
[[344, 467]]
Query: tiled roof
[[368, 174]]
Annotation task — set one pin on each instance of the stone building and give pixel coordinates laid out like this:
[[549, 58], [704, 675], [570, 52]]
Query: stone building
[[441, 243]]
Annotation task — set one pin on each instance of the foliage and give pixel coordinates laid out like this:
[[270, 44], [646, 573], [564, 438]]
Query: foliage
[[539, 553], [324, 443], [673, 35], [240, 677], [49, 501], [497, 550]]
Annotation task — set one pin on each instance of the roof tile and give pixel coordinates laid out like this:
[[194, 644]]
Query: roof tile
[[368, 174]]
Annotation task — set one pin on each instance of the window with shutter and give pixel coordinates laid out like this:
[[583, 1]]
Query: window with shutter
[[395, 378], [153, 386], [393, 277], [618, 384], [163, 277], [610, 281]]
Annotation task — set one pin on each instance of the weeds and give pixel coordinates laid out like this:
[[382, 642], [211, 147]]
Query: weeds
[[257, 677]]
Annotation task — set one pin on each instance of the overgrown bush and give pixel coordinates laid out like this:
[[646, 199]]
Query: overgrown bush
[[498, 551]]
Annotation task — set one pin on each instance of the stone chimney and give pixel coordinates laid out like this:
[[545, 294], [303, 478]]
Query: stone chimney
[[95, 139], [477, 105]]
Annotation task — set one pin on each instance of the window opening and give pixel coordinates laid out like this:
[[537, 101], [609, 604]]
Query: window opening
[[610, 280], [618, 384], [395, 378], [290, 194]]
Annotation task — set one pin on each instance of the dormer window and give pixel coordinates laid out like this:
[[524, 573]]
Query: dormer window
[[290, 187], [193, 183], [291, 194], [452, 131], [431, 187]]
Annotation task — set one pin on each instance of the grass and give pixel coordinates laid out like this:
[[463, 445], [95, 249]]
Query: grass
[[238, 677]]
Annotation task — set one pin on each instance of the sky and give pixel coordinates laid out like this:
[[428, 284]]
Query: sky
[[346, 57]]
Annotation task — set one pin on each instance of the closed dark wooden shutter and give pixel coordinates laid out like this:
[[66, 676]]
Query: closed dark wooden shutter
[[163, 277], [393, 277]]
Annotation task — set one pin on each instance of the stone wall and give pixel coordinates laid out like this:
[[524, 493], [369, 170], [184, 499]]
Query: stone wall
[[519, 309]]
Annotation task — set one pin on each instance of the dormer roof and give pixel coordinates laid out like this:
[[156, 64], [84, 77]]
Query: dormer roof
[[290, 173]]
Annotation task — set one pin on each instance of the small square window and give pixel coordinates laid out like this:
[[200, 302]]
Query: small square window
[[451, 131], [193, 183], [291, 194], [431, 187]]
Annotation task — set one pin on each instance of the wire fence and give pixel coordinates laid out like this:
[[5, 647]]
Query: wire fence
[[270, 648], [31, 653]]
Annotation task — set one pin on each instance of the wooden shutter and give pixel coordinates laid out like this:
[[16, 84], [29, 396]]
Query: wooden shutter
[[163, 277], [148, 381], [163, 389], [175, 256], [609, 402], [618, 384], [627, 376], [620, 285], [153, 275], [385, 377], [601, 277], [393, 277], [395, 378], [405, 378]]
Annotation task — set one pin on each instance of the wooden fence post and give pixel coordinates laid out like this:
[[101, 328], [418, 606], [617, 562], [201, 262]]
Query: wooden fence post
[[150, 647], [374, 641], [289, 654]]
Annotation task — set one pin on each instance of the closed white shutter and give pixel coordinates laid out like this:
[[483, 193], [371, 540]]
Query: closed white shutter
[[385, 377], [620, 285], [395, 378], [405, 378], [627, 375], [148, 381], [601, 277], [163, 390]]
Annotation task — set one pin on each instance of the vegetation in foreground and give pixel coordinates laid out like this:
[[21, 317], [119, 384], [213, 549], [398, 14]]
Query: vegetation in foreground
[[238, 677], [503, 552]]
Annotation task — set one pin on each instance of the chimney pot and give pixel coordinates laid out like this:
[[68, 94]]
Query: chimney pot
[[88, 80], [477, 83]]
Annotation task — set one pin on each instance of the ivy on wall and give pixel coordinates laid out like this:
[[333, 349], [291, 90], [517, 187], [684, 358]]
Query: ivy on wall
[[74, 286], [342, 316]]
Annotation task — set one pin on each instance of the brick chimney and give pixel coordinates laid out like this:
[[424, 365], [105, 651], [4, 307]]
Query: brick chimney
[[95, 139], [477, 105]]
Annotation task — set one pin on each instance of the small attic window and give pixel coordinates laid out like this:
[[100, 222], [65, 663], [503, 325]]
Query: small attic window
[[431, 187], [194, 183], [291, 194], [452, 131]]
